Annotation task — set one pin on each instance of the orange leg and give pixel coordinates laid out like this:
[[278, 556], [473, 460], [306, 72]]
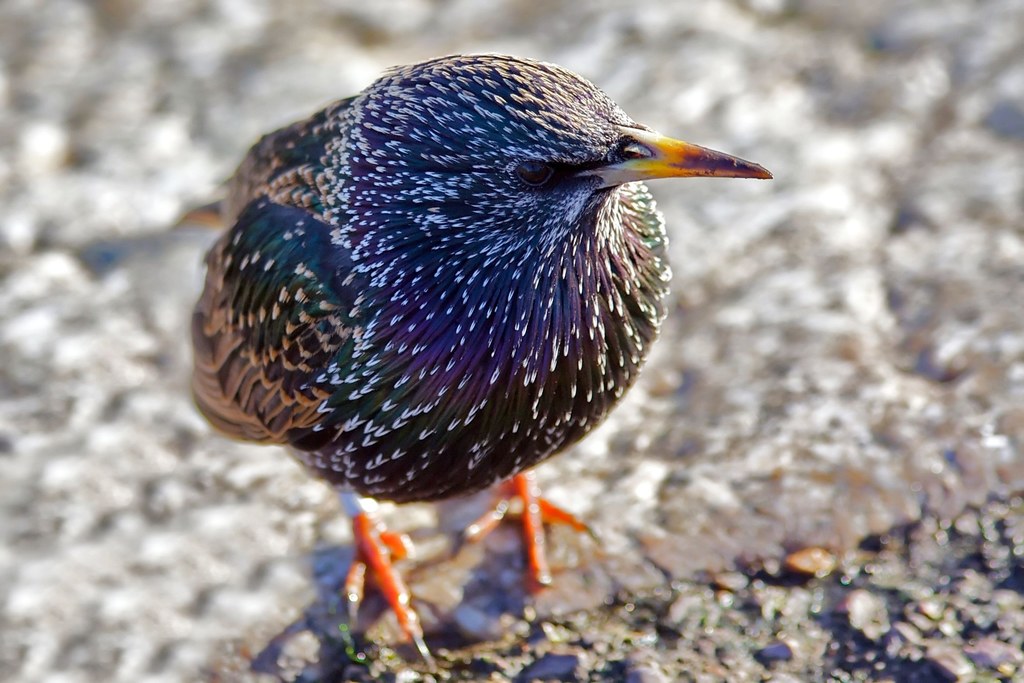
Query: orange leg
[[375, 549], [536, 511]]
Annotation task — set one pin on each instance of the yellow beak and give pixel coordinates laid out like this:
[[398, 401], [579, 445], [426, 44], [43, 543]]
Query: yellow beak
[[656, 156]]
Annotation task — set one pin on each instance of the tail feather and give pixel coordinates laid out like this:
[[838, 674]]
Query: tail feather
[[206, 216]]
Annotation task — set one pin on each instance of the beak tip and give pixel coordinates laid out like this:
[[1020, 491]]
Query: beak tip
[[748, 169]]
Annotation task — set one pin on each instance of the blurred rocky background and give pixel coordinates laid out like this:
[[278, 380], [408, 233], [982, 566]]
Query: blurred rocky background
[[817, 479]]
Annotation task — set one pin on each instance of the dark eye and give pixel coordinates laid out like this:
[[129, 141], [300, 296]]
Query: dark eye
[[534, 173]]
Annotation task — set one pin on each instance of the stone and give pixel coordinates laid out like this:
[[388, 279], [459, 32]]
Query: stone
[[989, 653], [817, 562], [776, 651], [949, 663], [867, 613], [554, 667]]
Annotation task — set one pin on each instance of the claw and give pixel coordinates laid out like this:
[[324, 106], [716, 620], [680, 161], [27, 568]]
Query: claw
[[355, 581], [376, 547]]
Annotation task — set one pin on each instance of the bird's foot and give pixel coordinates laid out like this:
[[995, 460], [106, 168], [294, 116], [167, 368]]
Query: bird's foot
[[535, 512], [376, 548]]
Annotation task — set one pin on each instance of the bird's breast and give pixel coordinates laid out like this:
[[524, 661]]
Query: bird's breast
[[473, 374]]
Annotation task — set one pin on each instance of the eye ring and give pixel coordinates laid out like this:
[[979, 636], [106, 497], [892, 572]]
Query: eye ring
[[534, 173]]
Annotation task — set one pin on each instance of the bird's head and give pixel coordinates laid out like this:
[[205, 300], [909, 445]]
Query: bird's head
[[499, 149]]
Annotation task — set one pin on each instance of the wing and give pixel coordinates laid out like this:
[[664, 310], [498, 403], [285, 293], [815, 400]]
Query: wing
[[274, 314], [284, 165]]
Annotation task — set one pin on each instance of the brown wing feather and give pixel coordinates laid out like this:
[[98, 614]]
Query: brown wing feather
[[272, 317], [263, 333]]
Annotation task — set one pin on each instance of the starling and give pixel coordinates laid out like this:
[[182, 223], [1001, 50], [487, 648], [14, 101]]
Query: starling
[[436, 284]]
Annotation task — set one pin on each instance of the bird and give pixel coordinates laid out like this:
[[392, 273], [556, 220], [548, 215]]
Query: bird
[[428, 288]]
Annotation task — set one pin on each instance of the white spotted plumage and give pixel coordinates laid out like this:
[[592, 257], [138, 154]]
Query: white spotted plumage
[[490, 324]]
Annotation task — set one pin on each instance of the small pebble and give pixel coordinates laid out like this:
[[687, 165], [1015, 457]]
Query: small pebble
[[949, 663], [477, 624], [731, 581], [643, 672], [554, 667], [1006, 119], [990, 653], [685, 606], [866, 612], [785, 678], [776, 651], [908, 632], [811, 561], [931, 609], [44, 148]]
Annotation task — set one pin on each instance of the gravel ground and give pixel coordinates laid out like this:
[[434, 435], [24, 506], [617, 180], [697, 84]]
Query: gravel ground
[[816, 479]]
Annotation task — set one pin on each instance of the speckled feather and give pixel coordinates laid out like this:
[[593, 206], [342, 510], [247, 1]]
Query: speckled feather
[[407, 314]]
